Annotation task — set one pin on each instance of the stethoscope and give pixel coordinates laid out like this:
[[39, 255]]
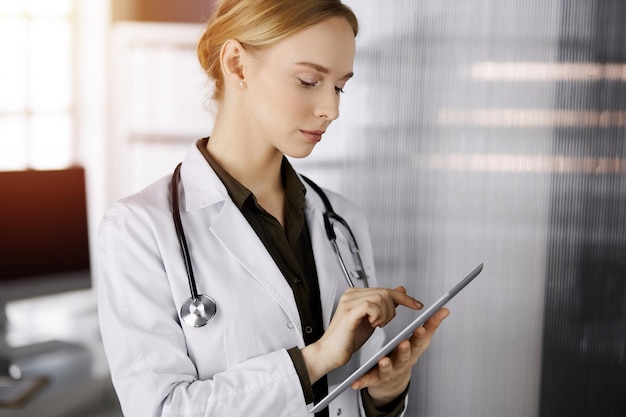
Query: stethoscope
[[200, 309], [332, 219]]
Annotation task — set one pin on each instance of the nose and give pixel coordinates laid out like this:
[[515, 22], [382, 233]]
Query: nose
[[328, 105]]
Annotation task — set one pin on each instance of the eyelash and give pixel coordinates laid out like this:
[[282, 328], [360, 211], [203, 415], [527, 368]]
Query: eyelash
[[306, 84]]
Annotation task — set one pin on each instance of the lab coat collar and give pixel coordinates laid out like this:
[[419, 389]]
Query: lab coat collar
[[202, 186]]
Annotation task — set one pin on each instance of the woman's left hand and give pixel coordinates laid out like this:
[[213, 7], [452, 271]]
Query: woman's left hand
[[386, 381]]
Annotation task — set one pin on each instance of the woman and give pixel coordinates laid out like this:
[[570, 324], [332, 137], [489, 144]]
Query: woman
[[285, 324]]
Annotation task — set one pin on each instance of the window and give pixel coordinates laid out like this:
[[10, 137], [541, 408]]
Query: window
[[37, 83]]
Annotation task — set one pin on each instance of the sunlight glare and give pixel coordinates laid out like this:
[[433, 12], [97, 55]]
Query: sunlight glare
[[51, 138], [13, 70], [12, 7], [49, 8], [51, 60], [13, 151]]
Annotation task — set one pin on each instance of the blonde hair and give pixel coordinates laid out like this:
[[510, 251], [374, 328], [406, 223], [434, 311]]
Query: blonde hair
[[260, 23]]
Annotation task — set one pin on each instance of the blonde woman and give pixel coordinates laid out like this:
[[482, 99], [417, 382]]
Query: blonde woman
[[286, 326]]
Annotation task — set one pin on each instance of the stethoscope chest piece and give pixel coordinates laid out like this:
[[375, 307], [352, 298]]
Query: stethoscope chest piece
[[196, 312]]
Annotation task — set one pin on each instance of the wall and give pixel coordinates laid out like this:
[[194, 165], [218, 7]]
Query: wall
[[584, 354], [482, 131]]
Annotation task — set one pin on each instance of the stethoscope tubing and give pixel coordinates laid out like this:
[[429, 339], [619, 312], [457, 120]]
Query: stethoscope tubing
[[346, 273], [329, 217], [181, 233], [198, 309]]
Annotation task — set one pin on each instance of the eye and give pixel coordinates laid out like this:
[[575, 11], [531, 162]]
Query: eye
[[339, 90], [308, 84]]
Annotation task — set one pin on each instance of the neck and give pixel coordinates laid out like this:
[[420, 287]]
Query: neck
[[252, 162]]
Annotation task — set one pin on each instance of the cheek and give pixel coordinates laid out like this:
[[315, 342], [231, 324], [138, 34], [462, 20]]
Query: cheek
[[280, 102], [296, 102]]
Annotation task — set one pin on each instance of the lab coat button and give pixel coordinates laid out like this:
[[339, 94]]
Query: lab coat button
[[339, 411], [290, 325]]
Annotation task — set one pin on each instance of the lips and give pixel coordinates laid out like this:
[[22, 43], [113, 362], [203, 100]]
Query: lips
[[313, 135]]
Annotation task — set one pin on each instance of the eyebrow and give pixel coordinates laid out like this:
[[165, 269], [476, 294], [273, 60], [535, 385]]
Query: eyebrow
[[323, 69]]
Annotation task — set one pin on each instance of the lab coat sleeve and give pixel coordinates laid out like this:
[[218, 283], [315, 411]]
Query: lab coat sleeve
[[146, 347]]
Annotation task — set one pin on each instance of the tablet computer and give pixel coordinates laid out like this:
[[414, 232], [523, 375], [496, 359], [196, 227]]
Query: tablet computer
[[403, 335]]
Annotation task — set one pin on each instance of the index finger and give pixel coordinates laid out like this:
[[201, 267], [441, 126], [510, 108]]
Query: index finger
[[400, 297]]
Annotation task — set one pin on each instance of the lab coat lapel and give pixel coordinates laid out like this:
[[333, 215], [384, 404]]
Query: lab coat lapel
[[203, 189], [231, 228], [325, 260]]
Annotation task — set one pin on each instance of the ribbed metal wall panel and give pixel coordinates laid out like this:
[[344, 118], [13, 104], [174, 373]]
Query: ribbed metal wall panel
[[490, 131]]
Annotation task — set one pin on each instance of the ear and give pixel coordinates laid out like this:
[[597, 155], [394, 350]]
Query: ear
[[232, 60]]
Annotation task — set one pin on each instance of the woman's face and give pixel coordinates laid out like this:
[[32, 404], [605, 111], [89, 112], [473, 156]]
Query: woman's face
[[293, 87]]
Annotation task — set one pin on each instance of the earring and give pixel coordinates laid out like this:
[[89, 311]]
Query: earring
[[241, 84]]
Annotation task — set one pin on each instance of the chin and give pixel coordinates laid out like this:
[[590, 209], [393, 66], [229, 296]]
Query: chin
[[299, 153]]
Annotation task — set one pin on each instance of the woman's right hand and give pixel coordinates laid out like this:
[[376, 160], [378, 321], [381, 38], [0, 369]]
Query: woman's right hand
[[359, 312]]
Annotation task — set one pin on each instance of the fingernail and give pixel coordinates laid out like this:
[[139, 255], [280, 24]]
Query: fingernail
[[418, 304]]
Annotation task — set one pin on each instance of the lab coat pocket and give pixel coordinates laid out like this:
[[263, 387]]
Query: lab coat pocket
[[257, 325]]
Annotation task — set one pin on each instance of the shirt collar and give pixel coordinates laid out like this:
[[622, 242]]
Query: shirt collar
[[294, 189]]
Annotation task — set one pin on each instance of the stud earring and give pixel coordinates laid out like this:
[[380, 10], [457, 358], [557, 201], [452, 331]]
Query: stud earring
[[241, 84]]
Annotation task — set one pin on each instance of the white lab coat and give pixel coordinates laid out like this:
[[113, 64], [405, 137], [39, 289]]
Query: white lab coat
[[238, 364]]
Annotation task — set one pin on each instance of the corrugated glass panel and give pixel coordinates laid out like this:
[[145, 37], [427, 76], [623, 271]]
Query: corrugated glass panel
[[489, 131]]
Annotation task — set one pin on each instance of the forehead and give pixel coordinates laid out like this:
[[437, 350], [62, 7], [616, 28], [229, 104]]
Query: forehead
[[329, 44]]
